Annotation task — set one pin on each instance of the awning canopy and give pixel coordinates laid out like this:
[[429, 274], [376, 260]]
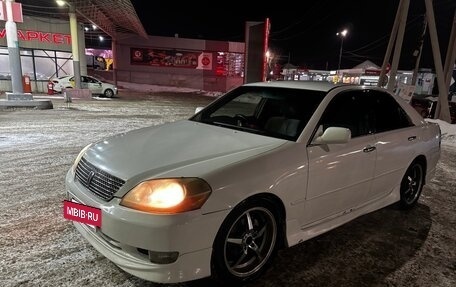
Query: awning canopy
[[113, 17]]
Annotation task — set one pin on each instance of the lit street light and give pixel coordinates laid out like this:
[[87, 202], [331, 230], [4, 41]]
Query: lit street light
[[342, 36]]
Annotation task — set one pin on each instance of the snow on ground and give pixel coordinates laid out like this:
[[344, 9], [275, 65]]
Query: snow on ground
[[38, 247], [157, 88], [448, 132]]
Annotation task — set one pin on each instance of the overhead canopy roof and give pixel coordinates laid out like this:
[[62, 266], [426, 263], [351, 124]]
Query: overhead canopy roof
[[113, 17]]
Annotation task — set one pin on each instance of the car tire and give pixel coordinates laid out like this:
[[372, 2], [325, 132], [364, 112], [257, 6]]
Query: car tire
[[108, 93], [246, 243], [411, 185]]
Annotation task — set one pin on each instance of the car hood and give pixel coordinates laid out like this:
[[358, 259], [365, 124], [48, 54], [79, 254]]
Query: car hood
[[182, 148]]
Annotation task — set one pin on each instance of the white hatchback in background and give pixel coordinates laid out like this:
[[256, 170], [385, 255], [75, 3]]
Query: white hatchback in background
[[96, 86], [266, 166]]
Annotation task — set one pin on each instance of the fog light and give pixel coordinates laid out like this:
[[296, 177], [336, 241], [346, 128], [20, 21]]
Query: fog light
[[163, 257]]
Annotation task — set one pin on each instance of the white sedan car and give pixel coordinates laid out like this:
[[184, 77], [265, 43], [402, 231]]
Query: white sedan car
[[96, 86], [263, 167]]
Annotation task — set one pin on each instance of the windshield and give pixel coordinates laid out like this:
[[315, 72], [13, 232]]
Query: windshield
[[270, 111]]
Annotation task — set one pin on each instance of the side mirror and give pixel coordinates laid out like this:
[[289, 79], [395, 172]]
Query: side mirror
[[198, 109], [333, 135]]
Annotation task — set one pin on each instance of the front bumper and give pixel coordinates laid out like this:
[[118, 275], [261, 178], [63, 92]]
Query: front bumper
[[126, 235]]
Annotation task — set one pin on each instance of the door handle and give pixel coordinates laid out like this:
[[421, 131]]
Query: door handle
[[412, 138], [369, 149]]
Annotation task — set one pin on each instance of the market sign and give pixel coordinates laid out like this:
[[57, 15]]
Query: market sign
[[42, 37]]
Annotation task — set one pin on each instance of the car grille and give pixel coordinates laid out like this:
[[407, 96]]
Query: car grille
[[99, 182]]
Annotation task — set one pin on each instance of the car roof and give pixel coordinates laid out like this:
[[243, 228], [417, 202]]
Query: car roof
[[323, 86]]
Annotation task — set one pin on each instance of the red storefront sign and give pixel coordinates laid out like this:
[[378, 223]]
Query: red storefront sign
[[165, 58], [42, 37]]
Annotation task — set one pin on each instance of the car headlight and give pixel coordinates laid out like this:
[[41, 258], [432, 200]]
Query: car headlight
[[80, 155], [168, 196]]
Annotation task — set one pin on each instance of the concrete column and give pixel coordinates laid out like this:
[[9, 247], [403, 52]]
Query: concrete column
[[82, 47], [14, 56], [18, 98], [75, 47], [114, 60]]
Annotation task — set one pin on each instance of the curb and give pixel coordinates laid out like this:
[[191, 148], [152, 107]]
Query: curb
[[27, 104]]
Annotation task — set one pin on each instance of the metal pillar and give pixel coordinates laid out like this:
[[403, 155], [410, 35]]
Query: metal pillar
[[390, 45], [418, 57], [444, 113], [451, 54], [398, 46], [449, 62]]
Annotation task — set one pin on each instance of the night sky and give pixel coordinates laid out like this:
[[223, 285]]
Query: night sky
[[305, 34]]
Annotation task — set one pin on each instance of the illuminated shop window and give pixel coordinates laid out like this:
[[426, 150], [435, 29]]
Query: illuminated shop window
[[27, 67], [64, 67], [45, 68], [38, 64], [4, 66], [63, 55], [229, 64]]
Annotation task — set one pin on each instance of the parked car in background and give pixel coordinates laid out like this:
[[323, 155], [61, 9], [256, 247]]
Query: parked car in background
[[265, 166], [426, 107], [96, 86]]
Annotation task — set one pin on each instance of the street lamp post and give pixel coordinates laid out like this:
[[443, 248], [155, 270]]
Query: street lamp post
[[342, 36]]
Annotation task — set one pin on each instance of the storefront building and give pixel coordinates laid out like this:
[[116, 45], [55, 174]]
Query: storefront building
[[367, 74], [45, 48], [173, 61]]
